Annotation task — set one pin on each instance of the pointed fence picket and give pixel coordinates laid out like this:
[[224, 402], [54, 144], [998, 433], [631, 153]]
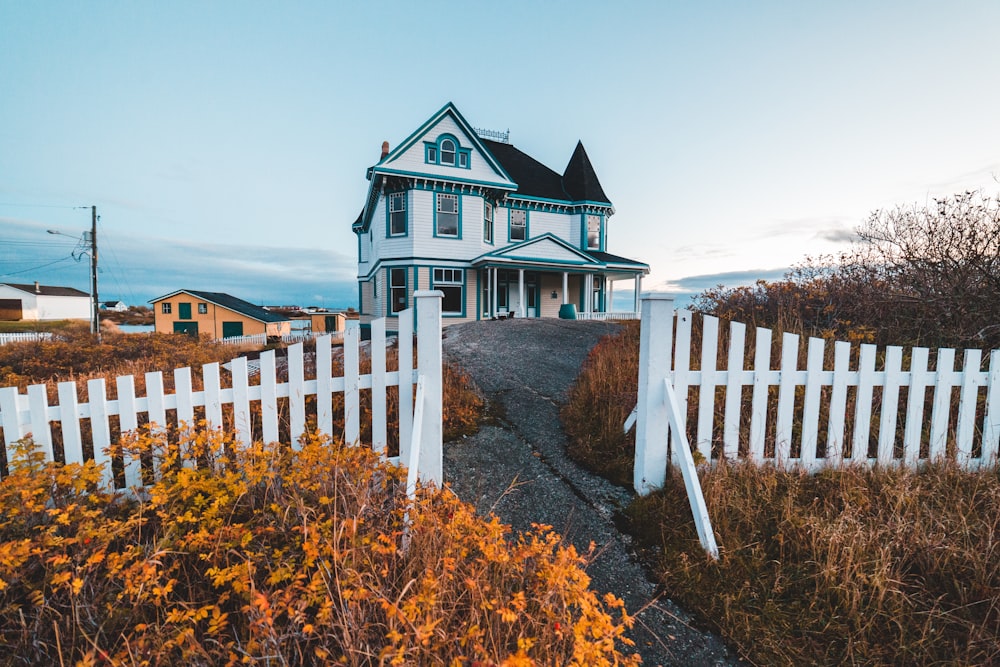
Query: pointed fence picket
[[30, 414], [859, 405]]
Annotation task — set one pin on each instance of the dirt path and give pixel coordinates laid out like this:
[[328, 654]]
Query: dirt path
[[519, 470]]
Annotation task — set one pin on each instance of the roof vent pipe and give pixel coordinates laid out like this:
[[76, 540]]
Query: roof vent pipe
[[38, 288]]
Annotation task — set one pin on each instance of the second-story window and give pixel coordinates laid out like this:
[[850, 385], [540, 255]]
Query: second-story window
[[165, 307], [447, 215], [518, 225], [397, 214], [593, 232], [488, 222], [203, 309], [447, 152]]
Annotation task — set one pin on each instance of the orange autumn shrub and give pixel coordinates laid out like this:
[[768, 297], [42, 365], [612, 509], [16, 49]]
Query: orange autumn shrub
[[274, 555]]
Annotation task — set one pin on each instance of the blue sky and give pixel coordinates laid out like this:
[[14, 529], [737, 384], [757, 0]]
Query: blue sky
[[225, 144]]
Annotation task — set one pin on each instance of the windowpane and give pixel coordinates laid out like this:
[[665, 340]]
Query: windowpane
[[518, 223], [447, 152], [432, 154], [463, 160], [165, 308], [447, 215], [397, 214], [450, 282], [452, 302], [593, 232], [202, 308], [397, 290], [488, 223]]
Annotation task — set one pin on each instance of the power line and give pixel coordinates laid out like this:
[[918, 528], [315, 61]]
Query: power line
[[35, 268], [41, 206]]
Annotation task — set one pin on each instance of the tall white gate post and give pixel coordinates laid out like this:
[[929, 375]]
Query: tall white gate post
[[652, 423], [431, 464]]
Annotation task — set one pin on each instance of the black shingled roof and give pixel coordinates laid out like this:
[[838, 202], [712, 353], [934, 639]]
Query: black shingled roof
[[47, 290], [580, 179], [608, 258], [534, 179], [237, 305]]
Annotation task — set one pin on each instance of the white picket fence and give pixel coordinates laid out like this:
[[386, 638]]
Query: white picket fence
[[262, 339], [27, 336], [608, 317], [420, 431], [887, 426]]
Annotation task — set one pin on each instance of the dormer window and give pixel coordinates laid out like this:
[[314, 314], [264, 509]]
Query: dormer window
[[448, 152]]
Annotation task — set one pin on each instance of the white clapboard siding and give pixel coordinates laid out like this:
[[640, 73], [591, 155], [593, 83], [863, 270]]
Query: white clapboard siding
[[880, 427], [30, 414]]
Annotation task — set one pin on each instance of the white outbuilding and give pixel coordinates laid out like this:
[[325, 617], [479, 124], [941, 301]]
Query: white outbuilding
[[43, 302]]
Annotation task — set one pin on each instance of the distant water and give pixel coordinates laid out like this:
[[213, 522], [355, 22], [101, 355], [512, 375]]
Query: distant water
[[135, 328]]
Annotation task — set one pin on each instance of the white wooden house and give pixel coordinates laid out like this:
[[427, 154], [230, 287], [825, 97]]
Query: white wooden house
[[495, 230], [43, 302]]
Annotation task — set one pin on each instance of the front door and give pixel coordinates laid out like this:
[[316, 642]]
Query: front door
[[190, 328]]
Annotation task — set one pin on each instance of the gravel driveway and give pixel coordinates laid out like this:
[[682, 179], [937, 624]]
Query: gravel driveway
[[519, 470]]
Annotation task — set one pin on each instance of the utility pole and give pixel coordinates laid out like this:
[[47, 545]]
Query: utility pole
[[96, 324]]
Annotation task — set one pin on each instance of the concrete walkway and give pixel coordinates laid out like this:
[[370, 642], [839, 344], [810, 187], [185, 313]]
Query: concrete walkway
[[518, 470]]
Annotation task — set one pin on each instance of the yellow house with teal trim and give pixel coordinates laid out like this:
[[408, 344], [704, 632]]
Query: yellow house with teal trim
[[215, 314], [463, 211]]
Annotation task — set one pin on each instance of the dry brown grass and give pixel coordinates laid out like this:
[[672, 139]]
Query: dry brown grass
[[857, 566]]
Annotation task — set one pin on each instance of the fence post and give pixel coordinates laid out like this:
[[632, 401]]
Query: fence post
[[652, 424], [429, 355]]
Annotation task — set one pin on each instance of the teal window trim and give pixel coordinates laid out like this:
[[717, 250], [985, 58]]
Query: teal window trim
[[584, 242], [439, 281], [390, 309], [392, 199], [527, 223], [458, 206], [461, 156]]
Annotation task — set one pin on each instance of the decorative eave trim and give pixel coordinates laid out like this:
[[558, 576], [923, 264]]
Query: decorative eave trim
[[558, 205]]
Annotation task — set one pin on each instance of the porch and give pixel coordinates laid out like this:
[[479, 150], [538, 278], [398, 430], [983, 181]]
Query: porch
[[532, 292]]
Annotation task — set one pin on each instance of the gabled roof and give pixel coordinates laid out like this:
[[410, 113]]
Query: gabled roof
[[513, 170], [230, 302], [47, 290], [580, 179]]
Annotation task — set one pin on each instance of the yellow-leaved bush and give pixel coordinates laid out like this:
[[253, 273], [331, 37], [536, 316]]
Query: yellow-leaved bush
[[268, 554]]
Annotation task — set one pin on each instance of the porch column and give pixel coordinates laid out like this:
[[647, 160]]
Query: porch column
[[493, 292], [565, 288], [521, 310], [638, 290], [588, 293]]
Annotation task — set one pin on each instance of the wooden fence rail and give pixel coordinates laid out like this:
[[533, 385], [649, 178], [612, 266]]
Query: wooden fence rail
[[31, 414], [859, 405]]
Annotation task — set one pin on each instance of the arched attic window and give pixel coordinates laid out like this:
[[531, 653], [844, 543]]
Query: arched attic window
[[447, 151]]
